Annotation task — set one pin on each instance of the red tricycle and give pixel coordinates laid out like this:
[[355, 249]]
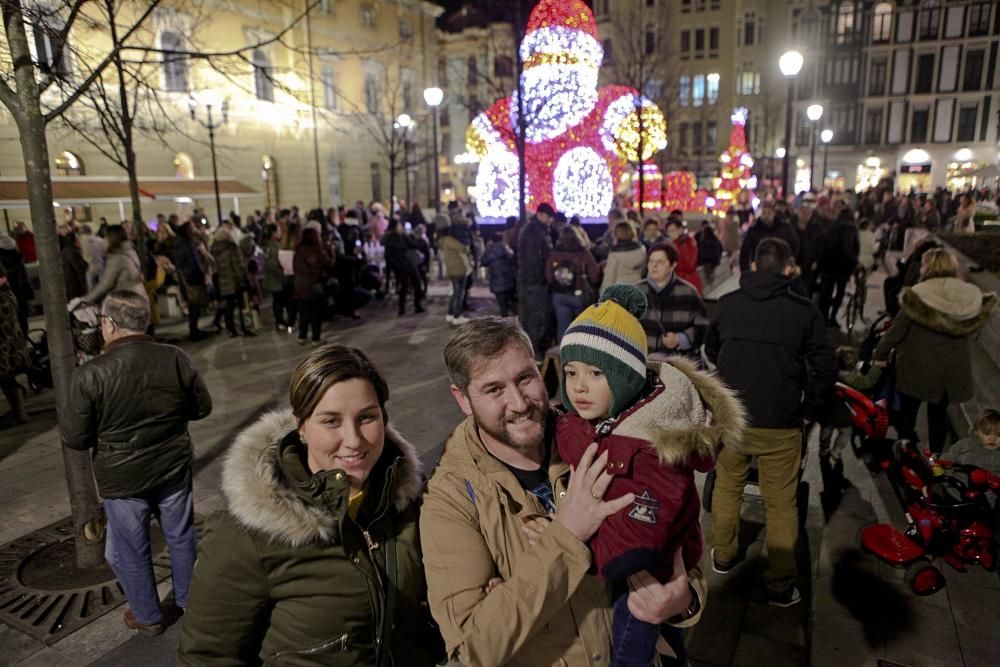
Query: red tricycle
[[948, 516]]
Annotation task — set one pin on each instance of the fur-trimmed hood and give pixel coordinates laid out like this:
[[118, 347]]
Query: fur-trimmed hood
[[262, 498], [689, 418], [949, 306]]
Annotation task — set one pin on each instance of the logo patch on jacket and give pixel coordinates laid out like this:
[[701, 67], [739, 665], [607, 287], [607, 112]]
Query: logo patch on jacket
[[644, 508]]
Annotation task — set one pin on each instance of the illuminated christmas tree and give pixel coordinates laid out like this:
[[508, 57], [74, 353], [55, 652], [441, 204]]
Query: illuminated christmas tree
[[735, 175]]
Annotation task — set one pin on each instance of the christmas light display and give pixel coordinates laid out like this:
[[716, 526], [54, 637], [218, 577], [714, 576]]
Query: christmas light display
[[580, 139], [678, 191], [652, 192], [735, 175]]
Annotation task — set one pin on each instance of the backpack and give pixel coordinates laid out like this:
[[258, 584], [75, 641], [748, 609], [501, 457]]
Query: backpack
[[566, 279]]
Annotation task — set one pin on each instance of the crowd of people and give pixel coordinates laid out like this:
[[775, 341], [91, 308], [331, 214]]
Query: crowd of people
[[331, 543]]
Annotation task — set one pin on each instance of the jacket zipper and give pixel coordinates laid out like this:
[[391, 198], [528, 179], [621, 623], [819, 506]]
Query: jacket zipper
[[339, 642], [372, 548]]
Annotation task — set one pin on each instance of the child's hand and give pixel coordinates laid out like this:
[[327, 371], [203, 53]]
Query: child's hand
[[534, 527], [492, 583]]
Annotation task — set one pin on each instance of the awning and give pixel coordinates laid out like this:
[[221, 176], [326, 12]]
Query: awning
[[109, 190]]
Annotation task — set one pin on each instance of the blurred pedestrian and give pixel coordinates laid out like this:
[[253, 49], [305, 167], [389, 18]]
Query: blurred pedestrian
[[312, 264], [573, 276], [121, 269], [14, 357], [17, 279], [502, 267], [627, 258]]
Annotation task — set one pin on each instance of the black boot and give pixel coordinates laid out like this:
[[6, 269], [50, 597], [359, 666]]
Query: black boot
[[15, 396]]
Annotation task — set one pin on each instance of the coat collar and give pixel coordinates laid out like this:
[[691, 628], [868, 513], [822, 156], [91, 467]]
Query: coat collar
[[690, 417], [261, 496]]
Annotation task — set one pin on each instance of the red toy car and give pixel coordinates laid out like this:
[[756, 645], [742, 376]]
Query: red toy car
[[948, 515]]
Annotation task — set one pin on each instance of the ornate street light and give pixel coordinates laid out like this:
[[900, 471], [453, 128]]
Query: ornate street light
[[404, 122], [790, 64], [813, 112], [210, 99], [826, 136], [433, 97]]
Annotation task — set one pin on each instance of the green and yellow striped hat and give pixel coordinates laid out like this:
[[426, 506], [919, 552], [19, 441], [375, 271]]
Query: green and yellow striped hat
[[608, 335]]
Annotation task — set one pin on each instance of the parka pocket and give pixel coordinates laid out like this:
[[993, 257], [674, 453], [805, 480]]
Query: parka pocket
[[338, 644]]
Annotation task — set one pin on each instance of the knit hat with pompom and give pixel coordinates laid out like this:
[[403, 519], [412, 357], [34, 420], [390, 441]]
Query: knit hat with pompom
[[609, 336]]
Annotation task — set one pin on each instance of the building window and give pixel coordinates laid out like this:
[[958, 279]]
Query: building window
[[650, 3], [698, 90], [409, 80], [405, 29], [376, 177], [842, 70], [684, 87], [711, 136], [713, 87], [472, 75], [972, 78], [683, 141], [845, 23], [748, 83], [713, 39], [925, 74], [367, 15], [877, 76], [979, 19], [749, 28], [806, 28], [443, 71], [263, 84], [919, 125], [601, 8], [174, 64], [50, 47], [371, 93], [609, 52], [269, 176], [69, 164], [329, 88], [474, 106], [930, 20], [873, 126], [696, 136], [685, 41], [699, 40], [503, 66], [325, 6], [882, 23], [650, 42], [967, 116], [714, 4], [653, 89], [685, 6]]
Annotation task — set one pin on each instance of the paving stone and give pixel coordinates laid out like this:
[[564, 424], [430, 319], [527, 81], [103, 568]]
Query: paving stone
[[753, 651], [930, 640], [50, 657], [839, 641], [16, 647]]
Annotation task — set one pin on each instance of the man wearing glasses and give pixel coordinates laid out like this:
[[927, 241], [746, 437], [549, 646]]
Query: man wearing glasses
[[132, 405]]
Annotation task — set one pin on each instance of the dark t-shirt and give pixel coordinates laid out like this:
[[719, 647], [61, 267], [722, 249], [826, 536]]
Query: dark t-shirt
[[536, 482]]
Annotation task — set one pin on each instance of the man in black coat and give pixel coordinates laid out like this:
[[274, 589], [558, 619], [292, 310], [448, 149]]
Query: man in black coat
[[772, 346], [131, 406], [533, 247], [768, 225], [811, 227], [401, 258], [837, 261]]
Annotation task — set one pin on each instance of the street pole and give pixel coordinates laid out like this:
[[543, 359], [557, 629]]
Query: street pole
[[826, 153], [406, 163], [215, 167], [312, 103], [785, 163], [437, 166], [812, 156]]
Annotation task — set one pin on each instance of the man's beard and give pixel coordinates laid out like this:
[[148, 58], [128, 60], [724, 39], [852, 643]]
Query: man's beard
[[499, 432]]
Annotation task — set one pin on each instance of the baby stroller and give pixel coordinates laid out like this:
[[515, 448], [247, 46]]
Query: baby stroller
[[948, 516], [40, 373], [85, 328], [869, 416]]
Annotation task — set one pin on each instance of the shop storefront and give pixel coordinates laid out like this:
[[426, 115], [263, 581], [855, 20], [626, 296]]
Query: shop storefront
[[915, 178]]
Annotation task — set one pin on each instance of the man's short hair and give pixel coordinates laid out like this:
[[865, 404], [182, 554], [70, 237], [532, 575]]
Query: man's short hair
[[482, 339], [773, 256], [128, 310]]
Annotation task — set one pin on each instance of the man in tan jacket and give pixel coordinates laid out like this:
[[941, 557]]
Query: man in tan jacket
[[504, 523]]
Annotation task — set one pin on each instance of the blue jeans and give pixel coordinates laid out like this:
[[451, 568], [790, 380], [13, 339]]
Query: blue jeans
[[128, 552], [457, 297], [567, 307], [633, 642]]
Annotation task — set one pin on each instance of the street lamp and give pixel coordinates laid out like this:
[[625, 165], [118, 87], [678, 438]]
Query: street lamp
[[813, 112], [210, 100], [433, 97], [404, 122], [826, 136], [790, 64]]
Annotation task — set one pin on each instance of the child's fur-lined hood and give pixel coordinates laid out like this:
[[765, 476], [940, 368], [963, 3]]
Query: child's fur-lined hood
[[261, 499], [691, 417]]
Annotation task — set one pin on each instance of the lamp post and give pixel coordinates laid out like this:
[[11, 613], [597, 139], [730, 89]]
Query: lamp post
[[211, 100], [405, 123], [790, 64], [433, 97], [813, 112], [826, 136]]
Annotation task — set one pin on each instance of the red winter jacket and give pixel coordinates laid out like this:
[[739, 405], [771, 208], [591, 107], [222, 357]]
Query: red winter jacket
[[654, 448], [687, 264]]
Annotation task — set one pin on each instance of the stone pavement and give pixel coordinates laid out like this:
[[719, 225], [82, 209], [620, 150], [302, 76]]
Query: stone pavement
[[856, 611]]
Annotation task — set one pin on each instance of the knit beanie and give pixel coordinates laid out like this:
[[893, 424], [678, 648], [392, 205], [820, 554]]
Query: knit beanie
[[609, 336]]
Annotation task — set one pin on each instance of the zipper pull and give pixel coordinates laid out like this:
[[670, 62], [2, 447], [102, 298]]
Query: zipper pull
[[372, 544]]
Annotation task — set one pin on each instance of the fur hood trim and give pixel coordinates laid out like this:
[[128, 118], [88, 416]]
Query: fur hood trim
[[693, 415], [949, 310], [260, 499]]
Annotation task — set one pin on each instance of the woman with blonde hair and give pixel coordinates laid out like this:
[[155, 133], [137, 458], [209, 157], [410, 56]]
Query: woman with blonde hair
[[930, 340], [316, 560]]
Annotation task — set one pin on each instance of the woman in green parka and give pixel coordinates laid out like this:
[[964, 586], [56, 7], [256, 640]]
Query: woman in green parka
[[317, 559]]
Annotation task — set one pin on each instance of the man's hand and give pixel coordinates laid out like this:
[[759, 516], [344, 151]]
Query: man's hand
[[881, 364], [670, 341], [653, 602], [583, 510], [534, 527]]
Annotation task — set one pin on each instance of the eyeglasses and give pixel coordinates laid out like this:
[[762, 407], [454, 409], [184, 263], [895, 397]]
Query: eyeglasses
[[109, 319]]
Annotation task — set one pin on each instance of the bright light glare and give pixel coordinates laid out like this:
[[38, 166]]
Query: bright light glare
[[814, 112], [790, 63], [433, 96]]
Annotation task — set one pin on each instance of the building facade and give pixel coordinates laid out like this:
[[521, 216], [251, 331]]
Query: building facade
[[334, 78]]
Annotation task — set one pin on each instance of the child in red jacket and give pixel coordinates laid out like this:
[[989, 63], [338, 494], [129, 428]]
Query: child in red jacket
[[658, 423]]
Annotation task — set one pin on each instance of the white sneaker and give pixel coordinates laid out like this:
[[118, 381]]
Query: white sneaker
[[460, 320], [449, 319]]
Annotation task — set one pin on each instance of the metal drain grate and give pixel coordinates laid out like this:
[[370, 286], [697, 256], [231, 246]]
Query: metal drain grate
[[51, 615]]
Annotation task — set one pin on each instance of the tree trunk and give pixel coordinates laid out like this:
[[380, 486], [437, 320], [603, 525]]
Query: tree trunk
[[84, 505], [642, 161]]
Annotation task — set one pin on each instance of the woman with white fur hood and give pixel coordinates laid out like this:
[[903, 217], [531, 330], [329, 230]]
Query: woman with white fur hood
[[316, 560]]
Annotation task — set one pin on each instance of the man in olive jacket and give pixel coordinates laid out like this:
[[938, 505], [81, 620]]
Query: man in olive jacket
[[132, 406]]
